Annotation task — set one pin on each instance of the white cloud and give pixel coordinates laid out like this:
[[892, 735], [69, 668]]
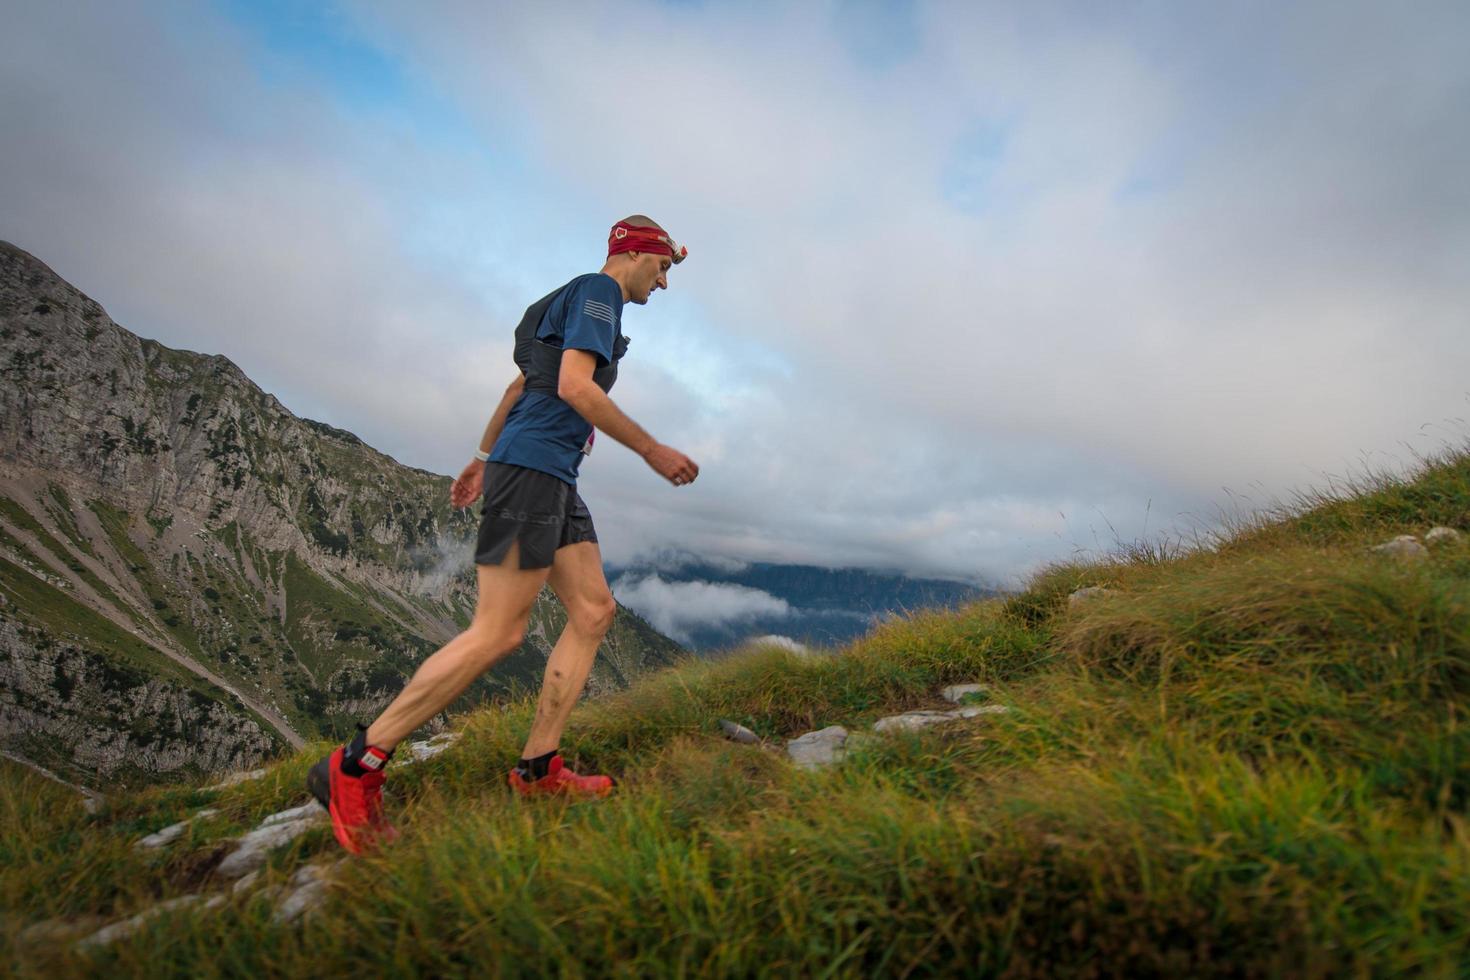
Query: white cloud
[[677, 608], [1048, 272]]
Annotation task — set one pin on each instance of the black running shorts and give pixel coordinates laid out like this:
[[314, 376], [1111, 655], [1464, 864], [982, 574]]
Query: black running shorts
[[537, 509]]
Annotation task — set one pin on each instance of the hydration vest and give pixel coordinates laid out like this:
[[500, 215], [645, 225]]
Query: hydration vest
[[540, 362]]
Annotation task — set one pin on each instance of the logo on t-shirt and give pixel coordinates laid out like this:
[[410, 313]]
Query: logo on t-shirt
[[598, 311]]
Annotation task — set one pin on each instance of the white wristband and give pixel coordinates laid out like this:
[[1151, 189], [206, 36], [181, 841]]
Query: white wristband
[[482, 457]]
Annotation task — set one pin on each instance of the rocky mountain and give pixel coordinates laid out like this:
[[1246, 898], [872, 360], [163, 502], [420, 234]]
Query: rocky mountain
[[192, 577]]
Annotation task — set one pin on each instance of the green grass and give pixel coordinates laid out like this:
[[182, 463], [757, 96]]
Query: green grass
[[1251, 759], [21, 518], [42, 604]]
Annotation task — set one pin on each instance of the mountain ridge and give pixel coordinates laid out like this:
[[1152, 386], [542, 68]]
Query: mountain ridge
[[169, 527]]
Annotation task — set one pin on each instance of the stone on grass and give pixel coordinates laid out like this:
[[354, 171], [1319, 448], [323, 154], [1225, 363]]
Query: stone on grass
[[234, 779], [312, 809], [817, 749], [739, 732], [245, 884], [960, 693], [53, 932], [1088, 594], [976, 710], [1437, 535], [172, 832], [419, 751], [108, 935], [912, 721], [308, 890], [273, 832], [1403, 546]]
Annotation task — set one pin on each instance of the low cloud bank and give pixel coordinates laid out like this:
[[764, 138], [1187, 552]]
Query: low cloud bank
[[777, 640], [676, 609]]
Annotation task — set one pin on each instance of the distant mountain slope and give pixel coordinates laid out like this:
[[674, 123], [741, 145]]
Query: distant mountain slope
[[191, 576], [815, 606]]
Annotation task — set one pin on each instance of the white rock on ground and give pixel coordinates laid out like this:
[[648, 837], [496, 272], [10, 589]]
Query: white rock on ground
[[1088, 594], [312, 809], [1403, 546], [172, 832], [739, 732], [234, 779], [958, 692], [817, 749], [912, 721], [1437, 535], [119, 930], [308, 890], [54, 932], [976, 710], [419, 751], [274, 831]]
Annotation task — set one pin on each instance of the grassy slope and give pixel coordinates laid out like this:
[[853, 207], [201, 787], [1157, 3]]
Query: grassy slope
[[1251, 760]]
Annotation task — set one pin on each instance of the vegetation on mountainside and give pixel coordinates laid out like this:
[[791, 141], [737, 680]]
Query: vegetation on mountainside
[[1250, 759], [157, 506]]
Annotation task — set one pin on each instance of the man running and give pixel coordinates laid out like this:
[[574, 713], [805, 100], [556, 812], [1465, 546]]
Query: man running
[[534, 530]]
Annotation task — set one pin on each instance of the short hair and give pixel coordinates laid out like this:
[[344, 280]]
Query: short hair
[[643, 221]]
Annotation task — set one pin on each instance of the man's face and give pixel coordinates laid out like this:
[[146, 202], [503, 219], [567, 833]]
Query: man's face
[[650, 272]]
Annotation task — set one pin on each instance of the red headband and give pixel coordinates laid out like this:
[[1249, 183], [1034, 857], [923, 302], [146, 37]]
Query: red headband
[[643, 238]]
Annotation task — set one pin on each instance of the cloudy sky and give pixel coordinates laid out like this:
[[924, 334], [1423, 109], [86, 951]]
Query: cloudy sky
[[970, 286]]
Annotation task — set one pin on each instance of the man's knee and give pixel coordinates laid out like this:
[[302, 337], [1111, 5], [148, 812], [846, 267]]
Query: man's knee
[[594, 616], [492, 640]]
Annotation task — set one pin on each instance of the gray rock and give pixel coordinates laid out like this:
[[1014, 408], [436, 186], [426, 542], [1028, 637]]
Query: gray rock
[[1403, 546], [256, 846], [739, 732], [172, 832], [976, 710], [1088, 594], [419, 751], [958, 693], [235, 779], [1441, 535], [245, 884], [305, 810], [108, 935], [911, 721], [817, 749], [308, 890], [55, 931]]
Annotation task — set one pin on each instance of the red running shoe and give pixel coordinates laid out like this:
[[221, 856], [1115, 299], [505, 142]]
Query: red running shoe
[[355, 802], [560, 781]]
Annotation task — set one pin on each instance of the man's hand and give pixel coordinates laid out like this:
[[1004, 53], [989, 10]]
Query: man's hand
[[468, 485], [671, 464]]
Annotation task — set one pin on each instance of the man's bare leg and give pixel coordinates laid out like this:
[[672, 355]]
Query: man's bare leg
[[577, 579], [501, 613]]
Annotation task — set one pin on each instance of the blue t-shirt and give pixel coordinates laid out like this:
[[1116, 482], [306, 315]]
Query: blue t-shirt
[[543, 432]]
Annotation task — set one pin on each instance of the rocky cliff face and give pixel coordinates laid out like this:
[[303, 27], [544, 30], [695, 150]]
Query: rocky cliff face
[[170, 533]]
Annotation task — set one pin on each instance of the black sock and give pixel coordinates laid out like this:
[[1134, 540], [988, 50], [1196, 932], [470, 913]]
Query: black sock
[[535, 768], [355, 757]]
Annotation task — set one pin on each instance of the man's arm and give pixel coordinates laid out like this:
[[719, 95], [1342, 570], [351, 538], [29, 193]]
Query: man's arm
[[576, 387], [471, 481], [502, 411]]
